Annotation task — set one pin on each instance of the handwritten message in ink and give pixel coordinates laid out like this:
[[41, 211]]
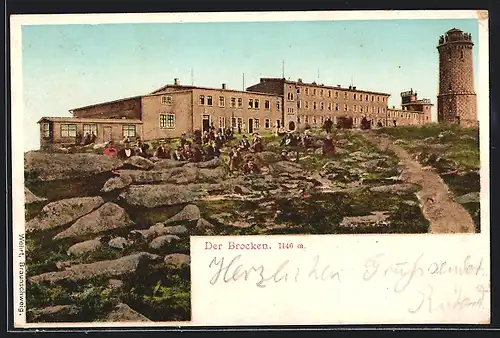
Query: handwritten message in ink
[[417, 283]]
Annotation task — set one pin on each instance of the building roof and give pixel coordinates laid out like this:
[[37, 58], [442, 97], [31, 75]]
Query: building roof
[[86, 120], [313, 84], [453, 30], [209, 88], [107, 102]]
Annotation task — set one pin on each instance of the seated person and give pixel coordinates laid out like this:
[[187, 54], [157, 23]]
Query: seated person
[[161, 152], [244, 144], [219, 141], [110, 149], [328, 146], [250, 167], [126, 152], [284, 155], [186, 151], [177, 155], [208, 152], [183, 140], [235, 159], [196, 155], [256, 144]]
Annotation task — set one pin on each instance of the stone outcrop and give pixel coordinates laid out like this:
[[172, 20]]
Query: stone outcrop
[[123, 313], [152, 196], [109, 216], [115, 183], [177, 259], [62, 212], [139, 162], [56, 166], [29, 197], [86, 247], [190, 212], [162, 241], [110, 268]]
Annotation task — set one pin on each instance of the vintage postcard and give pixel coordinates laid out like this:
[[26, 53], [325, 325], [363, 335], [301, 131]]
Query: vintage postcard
[[250, 168]]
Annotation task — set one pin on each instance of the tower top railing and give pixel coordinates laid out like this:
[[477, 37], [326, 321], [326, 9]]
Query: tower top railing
[[455, 35]]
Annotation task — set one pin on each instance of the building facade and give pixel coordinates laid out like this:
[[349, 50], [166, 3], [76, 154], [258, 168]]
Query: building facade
[[412, 112], [456, 101], [175, 109], [310, 104]]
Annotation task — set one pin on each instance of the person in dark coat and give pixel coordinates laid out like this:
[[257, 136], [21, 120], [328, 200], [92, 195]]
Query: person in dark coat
[[177, 155], [244, 144], [126, 152], [328, 146], [93, 137], [328, 125], [235, 159], [250, 167], [206, 137], [219, 142], [78, 139], [196, 154], [209, 152], [161, 152]]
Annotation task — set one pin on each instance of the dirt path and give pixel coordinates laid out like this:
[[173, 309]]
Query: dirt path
[[444, 214]]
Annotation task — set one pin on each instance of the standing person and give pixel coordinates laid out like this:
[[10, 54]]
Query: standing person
[[219, 142], [206, 137], [216, 149], [78, 139], [110, 149], [235, 159], [183, 139], [197, 137], [87, 139], [239, 128], [186, 151], [126, 152], [328, 125], [93, 137]]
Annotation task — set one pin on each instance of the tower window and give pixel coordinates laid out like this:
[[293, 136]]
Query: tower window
[[462, 54], [449, 55]]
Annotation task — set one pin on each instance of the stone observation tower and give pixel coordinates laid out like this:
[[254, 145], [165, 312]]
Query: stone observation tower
[[456, 99]]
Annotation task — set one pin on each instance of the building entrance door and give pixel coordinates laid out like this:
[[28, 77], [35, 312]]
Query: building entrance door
[[291, 125], [206, 123], [106, 134], [250, 126]]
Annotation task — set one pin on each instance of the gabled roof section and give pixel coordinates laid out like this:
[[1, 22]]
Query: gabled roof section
[[107, 102]]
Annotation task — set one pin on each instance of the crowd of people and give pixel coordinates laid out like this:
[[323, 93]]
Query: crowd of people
[[208, 145]]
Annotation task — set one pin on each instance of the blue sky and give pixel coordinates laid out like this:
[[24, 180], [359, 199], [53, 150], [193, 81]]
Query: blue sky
[[67, 66]]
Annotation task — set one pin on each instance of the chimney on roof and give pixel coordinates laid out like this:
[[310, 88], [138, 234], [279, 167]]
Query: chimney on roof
[[299, 80], [223, 86], [338, 86], [176, 81], [350, 87], [354, 87]]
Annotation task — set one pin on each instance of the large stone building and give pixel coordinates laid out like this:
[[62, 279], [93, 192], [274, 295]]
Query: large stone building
[[173, 109], [456, 101]]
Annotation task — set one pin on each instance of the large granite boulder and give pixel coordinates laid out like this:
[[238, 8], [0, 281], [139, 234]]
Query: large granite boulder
[[267, 157], [111, 268], [57, 166], [84, 248], [168, 164], [152, 196], [29, 197], [62, 212], [139, 162], [190, 212], [177, 260], [162, 241], [107, 217], [123, 313], [115, 183]]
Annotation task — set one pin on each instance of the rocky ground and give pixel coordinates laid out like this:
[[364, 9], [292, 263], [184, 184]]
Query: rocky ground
[[109, 240]]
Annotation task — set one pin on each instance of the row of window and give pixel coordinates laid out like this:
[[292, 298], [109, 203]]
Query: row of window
[[355, 108], [235, 102], [238, 122], [69, 129], [403, 115], [328, 93]]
